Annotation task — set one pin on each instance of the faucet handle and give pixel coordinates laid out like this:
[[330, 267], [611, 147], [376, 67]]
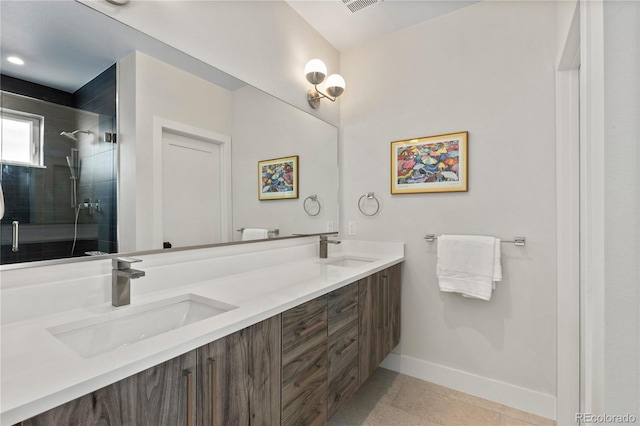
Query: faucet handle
[[123, 262]]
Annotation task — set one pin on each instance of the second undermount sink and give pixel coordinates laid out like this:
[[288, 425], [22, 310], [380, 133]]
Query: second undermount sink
[[347, 261], [118, 329]]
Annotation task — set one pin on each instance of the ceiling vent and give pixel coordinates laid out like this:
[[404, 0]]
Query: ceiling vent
[[356, 5]]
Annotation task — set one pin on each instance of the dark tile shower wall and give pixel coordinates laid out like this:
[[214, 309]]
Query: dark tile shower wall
[[36, 91], [40, 199], [99, 96]]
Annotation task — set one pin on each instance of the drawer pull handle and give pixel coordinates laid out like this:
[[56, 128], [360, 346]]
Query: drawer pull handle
[[212, 373], [342, 391], [348, 345], [190, 396], [304, 382], [306, 330], [348, 307]]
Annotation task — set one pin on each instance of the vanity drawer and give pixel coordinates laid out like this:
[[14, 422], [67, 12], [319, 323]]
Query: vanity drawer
[[342, 387], [343, 308], [311, 412], [302, 376], [343, 351], [303, 324]]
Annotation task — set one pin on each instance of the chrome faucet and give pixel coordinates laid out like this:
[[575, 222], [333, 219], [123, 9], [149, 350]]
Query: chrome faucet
[[121, 276], [324, 248]]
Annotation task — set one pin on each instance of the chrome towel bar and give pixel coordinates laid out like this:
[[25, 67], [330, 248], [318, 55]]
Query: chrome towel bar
[[518, 241]]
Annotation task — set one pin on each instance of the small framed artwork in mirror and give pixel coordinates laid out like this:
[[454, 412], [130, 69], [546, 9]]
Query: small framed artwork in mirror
[[429, 164], [278, 178]]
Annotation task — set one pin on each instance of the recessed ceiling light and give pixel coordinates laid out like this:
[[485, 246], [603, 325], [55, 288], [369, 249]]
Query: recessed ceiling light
[[15, 60]]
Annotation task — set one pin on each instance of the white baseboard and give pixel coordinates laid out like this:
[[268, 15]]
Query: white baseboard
[[513, 396]]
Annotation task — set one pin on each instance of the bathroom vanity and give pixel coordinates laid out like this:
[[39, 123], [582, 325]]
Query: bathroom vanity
[[293, 340]]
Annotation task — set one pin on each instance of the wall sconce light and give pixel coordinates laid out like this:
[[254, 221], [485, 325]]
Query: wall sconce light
[[315, 71]]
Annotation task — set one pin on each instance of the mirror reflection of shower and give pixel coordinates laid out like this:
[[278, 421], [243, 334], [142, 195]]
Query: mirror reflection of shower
[[70, 165], [74, 168]]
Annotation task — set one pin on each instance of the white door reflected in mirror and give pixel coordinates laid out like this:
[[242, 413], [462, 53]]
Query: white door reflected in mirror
[[190, 217]]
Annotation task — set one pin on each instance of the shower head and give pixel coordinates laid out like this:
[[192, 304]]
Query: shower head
[[72, 135], [69, 135]]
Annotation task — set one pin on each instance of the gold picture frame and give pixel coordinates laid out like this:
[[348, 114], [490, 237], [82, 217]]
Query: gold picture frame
[[278, 178], [430, 164]]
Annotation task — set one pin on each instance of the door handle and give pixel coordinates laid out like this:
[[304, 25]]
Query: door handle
[[16, 234], [385, 310], [190, 396], [212, 373]]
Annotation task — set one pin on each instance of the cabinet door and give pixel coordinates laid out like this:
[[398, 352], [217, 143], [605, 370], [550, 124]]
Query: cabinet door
[[370, 325], [379, 320], [161, 395], [393, 295], [239, 377]]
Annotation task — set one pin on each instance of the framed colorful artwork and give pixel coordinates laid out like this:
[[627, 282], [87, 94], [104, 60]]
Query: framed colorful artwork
[[278, 178], [429, 164]]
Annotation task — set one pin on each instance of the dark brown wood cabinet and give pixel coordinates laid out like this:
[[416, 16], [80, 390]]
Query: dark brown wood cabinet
[[379, 319], [160, 395], [304, 363], [343, 346], [238, 378], [392, 332], [234, 380]]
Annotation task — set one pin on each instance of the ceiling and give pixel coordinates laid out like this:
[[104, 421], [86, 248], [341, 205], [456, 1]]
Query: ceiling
[[49, 35], [66, 44], [372, 19]]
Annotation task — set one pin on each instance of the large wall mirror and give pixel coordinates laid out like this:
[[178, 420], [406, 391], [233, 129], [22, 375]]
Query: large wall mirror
[[172, 163]]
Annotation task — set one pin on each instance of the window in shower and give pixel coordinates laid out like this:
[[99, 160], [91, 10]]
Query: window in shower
[[21, 138]]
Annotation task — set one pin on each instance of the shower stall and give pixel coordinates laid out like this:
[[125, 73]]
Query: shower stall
[[61, 201]]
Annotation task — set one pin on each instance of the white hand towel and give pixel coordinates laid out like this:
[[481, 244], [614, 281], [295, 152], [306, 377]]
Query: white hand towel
[[254, 234], [468, 264]]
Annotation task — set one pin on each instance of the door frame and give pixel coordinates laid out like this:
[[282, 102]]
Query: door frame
[[580, 216], [161, 125], [568, 358], [592, 206]]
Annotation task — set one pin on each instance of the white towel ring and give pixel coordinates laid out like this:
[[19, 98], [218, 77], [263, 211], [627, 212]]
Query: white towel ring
[[369, 196], [309, 211]]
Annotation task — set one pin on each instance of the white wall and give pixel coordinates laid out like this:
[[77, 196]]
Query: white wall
[[487, 69], [265, 128], [264, 43], [150, 88], [622, 207]]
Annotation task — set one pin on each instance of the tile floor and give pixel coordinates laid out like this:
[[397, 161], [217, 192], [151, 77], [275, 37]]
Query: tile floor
[[388, 398]]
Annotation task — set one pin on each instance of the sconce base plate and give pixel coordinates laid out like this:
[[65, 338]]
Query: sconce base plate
[[314, 98]]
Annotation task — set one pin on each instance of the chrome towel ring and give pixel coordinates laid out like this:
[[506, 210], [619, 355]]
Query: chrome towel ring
[[368, 196], [308, 208]]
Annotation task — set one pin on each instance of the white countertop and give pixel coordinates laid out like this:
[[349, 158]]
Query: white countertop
[[39, 372]]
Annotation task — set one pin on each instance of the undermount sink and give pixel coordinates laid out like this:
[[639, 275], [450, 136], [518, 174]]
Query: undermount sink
[[347, 261], [118, 329]]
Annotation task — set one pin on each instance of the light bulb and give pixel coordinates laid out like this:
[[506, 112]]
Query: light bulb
[[315, 71], [334, 85], [15, 60]]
